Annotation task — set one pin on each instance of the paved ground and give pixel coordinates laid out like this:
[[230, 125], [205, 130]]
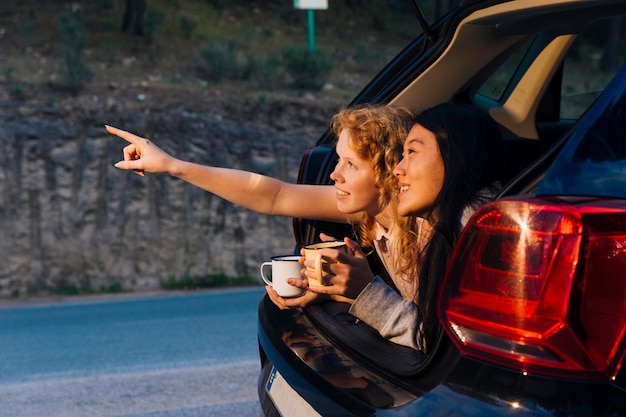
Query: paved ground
[[221, 390], [171, 355]]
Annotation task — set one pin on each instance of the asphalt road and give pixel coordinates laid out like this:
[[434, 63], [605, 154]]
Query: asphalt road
[[158, 356]]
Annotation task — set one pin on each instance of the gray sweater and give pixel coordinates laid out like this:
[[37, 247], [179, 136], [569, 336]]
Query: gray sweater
[[384, 309]]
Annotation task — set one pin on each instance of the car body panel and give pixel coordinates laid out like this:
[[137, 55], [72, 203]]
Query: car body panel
[[339, 367]]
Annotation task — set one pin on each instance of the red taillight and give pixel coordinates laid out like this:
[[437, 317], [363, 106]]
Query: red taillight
[[540, 285]]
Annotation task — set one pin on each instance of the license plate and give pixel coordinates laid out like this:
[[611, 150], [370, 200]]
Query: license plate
[[286, 400]]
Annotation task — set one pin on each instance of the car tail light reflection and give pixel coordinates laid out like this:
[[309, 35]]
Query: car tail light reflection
[[540, 286]]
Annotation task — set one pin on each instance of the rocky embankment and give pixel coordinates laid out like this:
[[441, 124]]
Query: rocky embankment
[[69, 217]]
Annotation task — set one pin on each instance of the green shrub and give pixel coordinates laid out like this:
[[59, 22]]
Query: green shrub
[[106, 4], [223, 61], [26, 29], [65, 288], [209, 281], [176, 78], [309, 70], [72, 31], [187, 26], [16, 88], [76, 73], [112, 50], [368, 58], [266, 71], [151, 21], [113, 288], [246, 33]]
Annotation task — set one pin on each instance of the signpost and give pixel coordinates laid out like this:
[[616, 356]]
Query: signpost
[[310, 6]]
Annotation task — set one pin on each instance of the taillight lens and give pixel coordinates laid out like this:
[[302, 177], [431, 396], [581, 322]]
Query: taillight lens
[[540, 286]]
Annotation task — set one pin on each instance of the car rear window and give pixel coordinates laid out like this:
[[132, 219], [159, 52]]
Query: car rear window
[[593, 161], [589, 66], [495, 86]]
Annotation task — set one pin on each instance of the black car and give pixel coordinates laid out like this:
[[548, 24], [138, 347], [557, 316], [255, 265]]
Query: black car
[[533, 305]]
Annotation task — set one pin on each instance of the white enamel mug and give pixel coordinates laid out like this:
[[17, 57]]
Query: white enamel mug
[[283, 268]]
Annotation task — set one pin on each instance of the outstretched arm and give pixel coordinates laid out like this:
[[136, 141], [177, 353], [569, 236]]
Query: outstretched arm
[[254, 191]]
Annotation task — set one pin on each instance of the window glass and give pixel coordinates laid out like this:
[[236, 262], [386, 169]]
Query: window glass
[[593, 60], [590, 64], [593, 162], [496, 84]]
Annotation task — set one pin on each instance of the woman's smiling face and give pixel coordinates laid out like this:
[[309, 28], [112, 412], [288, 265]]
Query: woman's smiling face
[[420, 173], [354, 180]]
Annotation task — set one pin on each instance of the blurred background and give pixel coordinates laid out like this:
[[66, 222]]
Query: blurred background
[[226, 83], [229, 83]]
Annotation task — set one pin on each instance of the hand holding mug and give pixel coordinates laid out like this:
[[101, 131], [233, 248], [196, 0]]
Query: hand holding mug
[[283, 268], [345, 275], [286, 303], [316, 254]]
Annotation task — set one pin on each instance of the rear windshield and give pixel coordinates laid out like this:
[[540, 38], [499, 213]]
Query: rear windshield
[[593, 162]]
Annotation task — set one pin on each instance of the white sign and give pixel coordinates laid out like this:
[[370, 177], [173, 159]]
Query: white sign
[[311, 4], [286, 399]]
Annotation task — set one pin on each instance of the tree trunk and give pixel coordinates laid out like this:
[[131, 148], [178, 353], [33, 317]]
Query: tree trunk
[[133, 17]]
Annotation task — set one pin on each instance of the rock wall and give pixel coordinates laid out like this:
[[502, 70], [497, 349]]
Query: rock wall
[[68, 216]]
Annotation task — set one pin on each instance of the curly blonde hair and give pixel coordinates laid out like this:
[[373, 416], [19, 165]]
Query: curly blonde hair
[[377, 134]]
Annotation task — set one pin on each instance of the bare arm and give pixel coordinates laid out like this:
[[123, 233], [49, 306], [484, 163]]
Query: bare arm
[[254, 191]]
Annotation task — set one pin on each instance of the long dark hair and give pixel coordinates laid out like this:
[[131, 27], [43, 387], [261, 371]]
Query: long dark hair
[[471, 147]]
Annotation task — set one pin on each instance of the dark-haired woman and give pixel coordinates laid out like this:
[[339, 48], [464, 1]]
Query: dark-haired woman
[[452, 163]]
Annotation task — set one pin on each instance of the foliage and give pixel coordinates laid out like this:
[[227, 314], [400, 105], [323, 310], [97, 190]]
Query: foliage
[[223, 61], [64, 287], [16, 88], [368, 57], [106, 4], [187, 26], [209, 281], [76, 73], [309, 70], [267, 71], [112, 50], [152, 20]]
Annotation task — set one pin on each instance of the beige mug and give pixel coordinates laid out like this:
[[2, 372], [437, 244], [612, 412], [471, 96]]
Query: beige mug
[[283, 268], [312, 253]]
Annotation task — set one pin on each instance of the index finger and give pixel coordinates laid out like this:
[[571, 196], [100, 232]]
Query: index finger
[[129, 137]]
